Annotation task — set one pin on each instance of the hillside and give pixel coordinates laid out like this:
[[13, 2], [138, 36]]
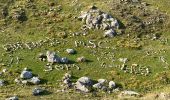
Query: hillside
[[125, 42]]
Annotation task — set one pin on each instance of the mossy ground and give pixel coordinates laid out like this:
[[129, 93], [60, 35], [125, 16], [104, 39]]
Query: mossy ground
[[39, 25]]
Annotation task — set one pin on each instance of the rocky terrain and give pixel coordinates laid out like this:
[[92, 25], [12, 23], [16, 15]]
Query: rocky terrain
[[84, 49]]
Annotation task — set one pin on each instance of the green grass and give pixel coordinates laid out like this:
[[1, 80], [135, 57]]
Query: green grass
[[39, 25]]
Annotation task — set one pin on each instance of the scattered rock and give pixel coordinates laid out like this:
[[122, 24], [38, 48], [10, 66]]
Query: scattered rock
[[52, 57], [102, 81], [110, 33], [70, 51], [24, 82], [35, 80], [67, 80], [112, 85], [83, 84], [26, 75], [13, 98], [129, 93], [81, 59], [96, 19], [37, 91], [98, 86]]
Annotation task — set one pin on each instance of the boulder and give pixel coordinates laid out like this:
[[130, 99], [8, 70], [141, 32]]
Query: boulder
[[26, 74], [52, 57]]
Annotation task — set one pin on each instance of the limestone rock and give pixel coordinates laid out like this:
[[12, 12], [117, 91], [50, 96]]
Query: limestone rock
[[83, 84], [70, 51], [26, 75], [109, 33], [52, 57], [35, 80], [37, 91], [112, 84]]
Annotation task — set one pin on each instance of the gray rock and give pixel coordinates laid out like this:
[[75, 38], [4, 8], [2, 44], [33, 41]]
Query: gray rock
[[112, 84], [105, 16], [26, 75], [70, 51], [115, 24], [2, 82], [102, 81], [85, 81], [64, 60], [130, 93], [24, 81], [83, 84], [13, 98], [37, 91], [110, 33], [97, 86], [52, 57], [35, 80]]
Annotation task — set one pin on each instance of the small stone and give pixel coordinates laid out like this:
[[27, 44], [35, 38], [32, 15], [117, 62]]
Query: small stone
[[97, 86], [110, 33], [37, 91], [130, 93], [70, 51], [2, 82], [13, 98], [4, 70], [35, 80], [83, 84], [102, 81], [24, 82], [52, 57], [26, 75], [81, 59], [112, 84]]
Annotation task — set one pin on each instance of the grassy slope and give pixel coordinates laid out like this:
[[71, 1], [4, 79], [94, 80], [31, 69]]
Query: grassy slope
[[21, 32]]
